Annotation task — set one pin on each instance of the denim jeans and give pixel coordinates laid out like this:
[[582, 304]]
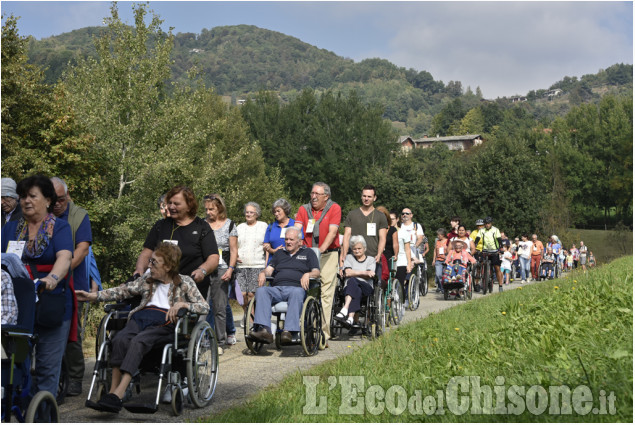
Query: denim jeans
[[49, 351], [438, 268], [524, 268], [267, 296]]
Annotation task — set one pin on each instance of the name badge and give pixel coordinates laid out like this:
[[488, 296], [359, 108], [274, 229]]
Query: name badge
[[309, 227], [220, 257], [371, 229], [283, 232], [441, 250], [173, 242], [16, 247]]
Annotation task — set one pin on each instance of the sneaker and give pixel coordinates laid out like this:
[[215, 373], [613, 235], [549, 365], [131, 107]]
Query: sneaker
[[231, 340], [167, 395], [74, 388], [500, 289], [220, 351]]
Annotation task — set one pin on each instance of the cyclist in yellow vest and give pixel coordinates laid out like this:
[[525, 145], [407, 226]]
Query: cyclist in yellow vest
[[490, 236]]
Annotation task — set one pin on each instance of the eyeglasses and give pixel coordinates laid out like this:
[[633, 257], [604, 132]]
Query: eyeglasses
[[250, 212], [317, 194]]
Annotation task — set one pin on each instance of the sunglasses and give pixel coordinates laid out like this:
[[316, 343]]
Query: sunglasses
[[209, 197], [406, 213]]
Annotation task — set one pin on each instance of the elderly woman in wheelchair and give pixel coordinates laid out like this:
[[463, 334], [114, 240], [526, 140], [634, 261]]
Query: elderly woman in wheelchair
[[359, 269], [163, 293]]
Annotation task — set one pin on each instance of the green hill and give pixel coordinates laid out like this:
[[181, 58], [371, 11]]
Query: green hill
[[241, 60]]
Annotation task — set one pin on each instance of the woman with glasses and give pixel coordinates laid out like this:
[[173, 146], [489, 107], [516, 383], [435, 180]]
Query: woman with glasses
[[163, 293], [220, 316], [251, 252]]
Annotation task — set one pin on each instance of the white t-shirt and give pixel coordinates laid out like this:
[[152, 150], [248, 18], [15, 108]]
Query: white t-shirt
[[403, 237], [524, 249], [506, 261], [160, 296], [410, 231], [250, 240]]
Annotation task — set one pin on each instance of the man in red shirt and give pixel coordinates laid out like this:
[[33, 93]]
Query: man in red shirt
[[320, 221]]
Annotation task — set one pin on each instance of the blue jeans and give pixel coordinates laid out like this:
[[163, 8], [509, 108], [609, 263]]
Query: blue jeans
[[267, 296], [49, 352], [524, 268], [438, 269], [229, 319]]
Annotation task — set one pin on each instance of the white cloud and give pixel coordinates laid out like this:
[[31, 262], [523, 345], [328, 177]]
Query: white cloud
[[507, 48]]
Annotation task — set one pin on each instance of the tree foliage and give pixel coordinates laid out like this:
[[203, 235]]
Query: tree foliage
[[318, 138]]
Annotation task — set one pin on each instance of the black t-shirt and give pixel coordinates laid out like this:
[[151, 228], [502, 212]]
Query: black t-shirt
[[388, 250], [196, 240], [291, 268]]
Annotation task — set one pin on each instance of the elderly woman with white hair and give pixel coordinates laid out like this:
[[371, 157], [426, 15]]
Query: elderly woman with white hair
[[251, 253], [359, 269]]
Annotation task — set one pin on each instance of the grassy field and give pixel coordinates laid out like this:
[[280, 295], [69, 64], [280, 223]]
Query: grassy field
[[575, 332]]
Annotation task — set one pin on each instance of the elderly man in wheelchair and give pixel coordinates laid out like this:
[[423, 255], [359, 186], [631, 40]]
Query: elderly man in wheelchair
[[291, 268], [163, 293]]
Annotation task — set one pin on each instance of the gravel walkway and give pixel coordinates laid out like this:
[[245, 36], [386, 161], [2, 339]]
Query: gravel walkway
[[240, 373]]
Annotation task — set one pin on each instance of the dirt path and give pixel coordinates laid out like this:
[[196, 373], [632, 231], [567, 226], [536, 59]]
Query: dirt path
[[240, 373]]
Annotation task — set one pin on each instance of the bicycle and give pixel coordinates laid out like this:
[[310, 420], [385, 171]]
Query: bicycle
[[487, 272]]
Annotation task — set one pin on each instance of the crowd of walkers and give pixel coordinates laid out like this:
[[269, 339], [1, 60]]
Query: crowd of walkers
[[218, 259]]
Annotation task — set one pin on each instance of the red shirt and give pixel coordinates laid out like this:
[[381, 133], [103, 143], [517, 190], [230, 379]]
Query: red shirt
[[333, 217]]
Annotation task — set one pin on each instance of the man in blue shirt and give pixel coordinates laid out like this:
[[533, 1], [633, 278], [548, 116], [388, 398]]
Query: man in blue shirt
[[82, 239], [293, 266]]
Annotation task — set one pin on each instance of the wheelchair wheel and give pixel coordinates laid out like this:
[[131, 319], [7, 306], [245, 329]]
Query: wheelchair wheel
[[380, 312], [413, 292], [253, 346], [467, 293], [202, 364], [423, 282], [177, 401], [396, 306], [42, 408], [446, 294], [322, 345], [311, 326]]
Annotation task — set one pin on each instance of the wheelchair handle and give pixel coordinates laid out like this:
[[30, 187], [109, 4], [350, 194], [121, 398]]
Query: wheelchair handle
[[182, 312]]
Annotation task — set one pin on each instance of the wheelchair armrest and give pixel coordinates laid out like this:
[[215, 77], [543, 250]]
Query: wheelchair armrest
[[314, 282], [117, 307], [182, 312]]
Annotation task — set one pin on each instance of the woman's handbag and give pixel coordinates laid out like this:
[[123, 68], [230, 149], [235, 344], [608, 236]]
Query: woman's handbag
[[50, 309]]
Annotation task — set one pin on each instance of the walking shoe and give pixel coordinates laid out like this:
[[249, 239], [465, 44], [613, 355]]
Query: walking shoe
[[74, 388], [500, 289], [261, 335], [231, 340], [110, 403], [220, 351], [285, 337]]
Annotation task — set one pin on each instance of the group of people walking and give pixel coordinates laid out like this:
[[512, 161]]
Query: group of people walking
[[199, 263]]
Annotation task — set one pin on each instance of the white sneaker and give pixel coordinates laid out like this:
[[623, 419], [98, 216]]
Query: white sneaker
[[167, 395], [220, 351], [231, 340]]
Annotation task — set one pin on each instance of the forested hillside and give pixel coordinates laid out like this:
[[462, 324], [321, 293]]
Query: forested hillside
[[239, 61]]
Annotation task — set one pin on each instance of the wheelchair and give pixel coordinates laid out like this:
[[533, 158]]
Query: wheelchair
[[18, 343], [312, 337], [394, 308], [191, 362], [547, 271], [457, 280], [372, 317]]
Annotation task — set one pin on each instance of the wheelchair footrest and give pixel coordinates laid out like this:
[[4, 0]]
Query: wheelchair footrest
[[141, 408]]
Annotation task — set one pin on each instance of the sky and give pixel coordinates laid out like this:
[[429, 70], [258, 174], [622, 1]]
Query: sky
[[505, 48]]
